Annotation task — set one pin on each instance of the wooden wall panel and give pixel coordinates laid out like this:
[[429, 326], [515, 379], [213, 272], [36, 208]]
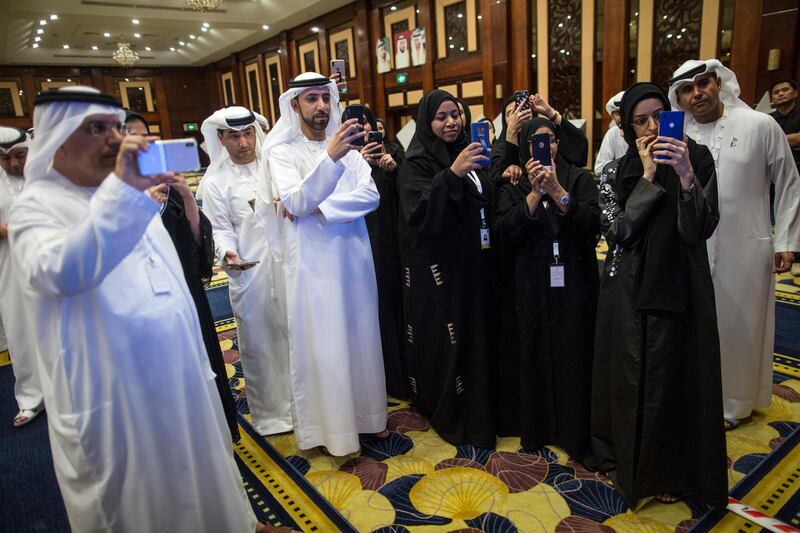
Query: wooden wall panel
[[744, 53], [615, 53]]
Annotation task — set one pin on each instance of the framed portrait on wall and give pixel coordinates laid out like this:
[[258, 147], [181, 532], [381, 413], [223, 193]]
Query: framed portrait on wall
[[10, 100], [228, 94], [341, 47], [137, 96], [253, 86], [398, 21], [272, 65], [383, 52], [402, 49], [418, 46], [308, 55]]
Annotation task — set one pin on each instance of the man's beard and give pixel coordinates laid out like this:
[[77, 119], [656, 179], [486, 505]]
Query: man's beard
[[310, 121]]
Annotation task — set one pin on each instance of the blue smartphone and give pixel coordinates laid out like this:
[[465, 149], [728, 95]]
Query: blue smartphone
[[540, 149], [480, 134], [670, 124], [175, 155], [522, 96]]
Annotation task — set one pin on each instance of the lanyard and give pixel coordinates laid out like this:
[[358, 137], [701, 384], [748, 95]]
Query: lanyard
[[555, 252], [475, 180]]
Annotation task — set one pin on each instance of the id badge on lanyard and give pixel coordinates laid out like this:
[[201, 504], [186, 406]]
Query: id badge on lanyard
[[556, 269], [486, 243]]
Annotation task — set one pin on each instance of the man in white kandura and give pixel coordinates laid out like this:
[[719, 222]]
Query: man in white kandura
[[137, 431], [750, 151], [613, 146], [233, 140], [21, 342], [323, 189]]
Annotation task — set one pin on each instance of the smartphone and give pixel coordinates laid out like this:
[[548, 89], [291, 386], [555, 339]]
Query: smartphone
[[243, 265], [337, 67], [480, 134], [522, 96], [670, 124], [540, 148], [176, 155], [355, 111], [374, 137]]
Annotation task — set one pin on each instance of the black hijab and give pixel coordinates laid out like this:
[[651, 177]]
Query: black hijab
[[528, 129], [662, 279], [370, 117], [425, 144], [502, 136]]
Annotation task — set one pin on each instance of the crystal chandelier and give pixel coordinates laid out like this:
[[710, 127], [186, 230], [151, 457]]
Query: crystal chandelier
[[203, 5], [124, 55]]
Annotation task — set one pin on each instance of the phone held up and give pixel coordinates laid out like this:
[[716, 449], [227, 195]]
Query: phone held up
[[522, 96], [540, 149], [337, 68], [670, 124], [355, 111], [480, 134], [175, 155]]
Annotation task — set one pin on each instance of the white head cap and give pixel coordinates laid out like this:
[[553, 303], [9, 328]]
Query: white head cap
[[614, 102], [690, 70], [11, 138], [56, 116], [228, 118]]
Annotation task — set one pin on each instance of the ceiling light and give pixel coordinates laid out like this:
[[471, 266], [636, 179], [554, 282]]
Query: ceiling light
[[206, 24], [203, 29], [147, 48], [192, 36], [40, 31], [393, 8], [69, 80], [94, 47], [124, 55], [37, 39], [53, 17], [36, 45], [181, 43], [135, 21], [42, 22], [203, 5], [171, 48], [66, 47], [315, 29], [137, 35], [49, 80], [264, 27], [106, 34]]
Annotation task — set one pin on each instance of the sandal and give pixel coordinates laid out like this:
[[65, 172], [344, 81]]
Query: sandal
[[731, 423], [25, 416]]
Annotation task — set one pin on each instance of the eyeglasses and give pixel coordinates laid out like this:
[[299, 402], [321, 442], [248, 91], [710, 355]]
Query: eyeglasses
[[642, 121], [99, 128]]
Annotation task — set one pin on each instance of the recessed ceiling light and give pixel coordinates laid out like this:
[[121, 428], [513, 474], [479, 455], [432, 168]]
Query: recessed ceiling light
[[137, 35], [36, 45], [315, 29], [206, 24], [393, 8], [127, 79], [171, 48], [192, 36], [106, 34], [66, 46], [94, 47], [69, 80], [53, 17], [42, 22], [40, 31], [135, 21], [37, 39], [203, 29], [265, 27], [49, 80], [147, 48], [181, 43]]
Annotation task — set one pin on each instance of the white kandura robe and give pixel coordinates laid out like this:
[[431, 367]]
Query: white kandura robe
[[753, 153], [138, 435], [19, 334], [613, 147], [257, 295], [338, 383]]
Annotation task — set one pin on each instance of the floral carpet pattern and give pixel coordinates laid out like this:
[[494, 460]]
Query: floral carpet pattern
[[413, 481]]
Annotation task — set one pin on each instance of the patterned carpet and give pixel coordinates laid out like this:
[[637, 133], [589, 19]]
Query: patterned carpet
[[414, 481]]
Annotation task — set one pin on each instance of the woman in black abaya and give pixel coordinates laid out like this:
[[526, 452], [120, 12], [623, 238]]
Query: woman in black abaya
[[446, 204], [657, 394]]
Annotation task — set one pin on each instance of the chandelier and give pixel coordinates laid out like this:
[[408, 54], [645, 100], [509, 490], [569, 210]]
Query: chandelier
[[124, 55], [203, 5]]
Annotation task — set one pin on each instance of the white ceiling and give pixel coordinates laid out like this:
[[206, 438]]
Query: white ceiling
[[236, 25]]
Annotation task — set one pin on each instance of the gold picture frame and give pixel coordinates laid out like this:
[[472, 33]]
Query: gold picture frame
[[393, 17], [303, 49], [14, 89], [251, 76], [472, 26], [228, 89], [272, 93], [345, 34], [50, 85], [144, 86]]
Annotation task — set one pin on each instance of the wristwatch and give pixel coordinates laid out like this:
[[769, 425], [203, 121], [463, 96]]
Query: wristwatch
[[565, 199]]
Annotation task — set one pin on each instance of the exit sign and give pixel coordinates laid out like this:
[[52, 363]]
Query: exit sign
[[401, 77], [190, 126]]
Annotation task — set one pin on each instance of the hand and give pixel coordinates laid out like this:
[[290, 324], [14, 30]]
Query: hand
[[551, 186], [232, 258], [179, 183], [515, 120], [783, 261], [541, 106], [342, 141], [3, 232], [675, 153], [513, 174], [387, 163], [645, 147], [159, 193], [470, 158], [127, 168], [372, 152], [340, 84], [535, 172]]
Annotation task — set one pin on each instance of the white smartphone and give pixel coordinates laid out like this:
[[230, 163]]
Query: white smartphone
[[174, 155], [337, 67]]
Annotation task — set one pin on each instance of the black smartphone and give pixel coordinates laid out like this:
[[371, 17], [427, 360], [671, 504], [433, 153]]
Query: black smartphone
[[355, 111], [522, 96], [374, 137], [540, 148]]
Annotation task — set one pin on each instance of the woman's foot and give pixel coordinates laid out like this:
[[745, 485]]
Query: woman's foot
[[25, 416]]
